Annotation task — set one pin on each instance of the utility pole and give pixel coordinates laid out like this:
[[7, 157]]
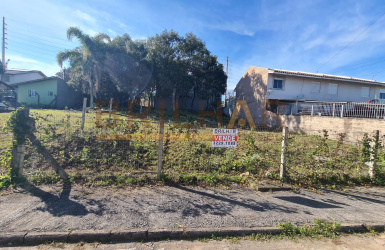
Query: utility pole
[[3, 48]]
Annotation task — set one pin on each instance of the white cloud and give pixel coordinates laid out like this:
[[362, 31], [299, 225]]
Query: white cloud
[[22, 62], [85, 16], [17, 59], [238, 27]]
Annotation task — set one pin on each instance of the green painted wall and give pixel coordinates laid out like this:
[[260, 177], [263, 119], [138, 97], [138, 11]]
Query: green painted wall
[[42, 88]]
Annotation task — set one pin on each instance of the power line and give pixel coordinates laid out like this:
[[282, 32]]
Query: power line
[[373, 73], [25, 53], [29, 45], [350, 42], [28, 30], [19, 37], [39, 38], [27, 49]]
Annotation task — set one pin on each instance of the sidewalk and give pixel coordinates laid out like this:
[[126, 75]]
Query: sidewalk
[[161, 211]]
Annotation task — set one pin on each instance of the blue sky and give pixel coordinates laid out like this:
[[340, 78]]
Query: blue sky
[[294, 35]]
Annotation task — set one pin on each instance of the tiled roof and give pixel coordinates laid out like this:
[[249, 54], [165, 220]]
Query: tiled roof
[[23, 71], [324, 76]]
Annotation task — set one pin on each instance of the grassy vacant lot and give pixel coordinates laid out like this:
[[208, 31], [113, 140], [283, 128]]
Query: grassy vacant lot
[[312, 161]]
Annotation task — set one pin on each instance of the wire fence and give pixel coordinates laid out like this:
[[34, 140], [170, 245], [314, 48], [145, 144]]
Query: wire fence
[[129, 153]]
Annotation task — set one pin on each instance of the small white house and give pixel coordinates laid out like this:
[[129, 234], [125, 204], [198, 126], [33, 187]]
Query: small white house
[[13, 76], [265, 89]]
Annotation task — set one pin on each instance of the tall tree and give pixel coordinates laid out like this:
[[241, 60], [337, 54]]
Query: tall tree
[[88, 58], [185, 67], [127, 66]]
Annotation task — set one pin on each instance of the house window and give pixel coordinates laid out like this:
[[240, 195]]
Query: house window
[[365, 91], [32, 93], [6, 78], [50, 93], [315, 87], [333, 89], [278, 84], [382, 95]]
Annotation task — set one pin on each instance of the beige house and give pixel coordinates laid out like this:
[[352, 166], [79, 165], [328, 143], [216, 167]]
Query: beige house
[[271, 91]]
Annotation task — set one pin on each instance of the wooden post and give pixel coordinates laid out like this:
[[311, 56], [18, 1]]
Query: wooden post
[[312, 110], [84, 112], [373, 155], [161, 133], [282, 172], [334, 108]]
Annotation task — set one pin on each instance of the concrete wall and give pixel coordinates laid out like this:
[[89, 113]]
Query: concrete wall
[[353, 127], [253, 89], [296, 86]]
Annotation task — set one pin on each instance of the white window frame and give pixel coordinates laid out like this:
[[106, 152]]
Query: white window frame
[[315, 87], [280, 79], [32, 93], [365, 91], [333, 89]]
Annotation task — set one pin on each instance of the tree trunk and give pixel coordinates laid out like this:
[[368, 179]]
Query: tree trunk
[[173, 100], [192, 101], [47, 155]]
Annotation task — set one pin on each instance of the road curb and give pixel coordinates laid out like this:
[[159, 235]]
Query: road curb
[[127, 235]]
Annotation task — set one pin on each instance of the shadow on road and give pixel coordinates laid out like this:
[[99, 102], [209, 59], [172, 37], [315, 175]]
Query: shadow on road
[[226, 205], [306, 202], [359, 197], [61, 205]]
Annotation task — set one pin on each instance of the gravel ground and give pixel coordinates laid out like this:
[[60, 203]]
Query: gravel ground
[[52, 208]]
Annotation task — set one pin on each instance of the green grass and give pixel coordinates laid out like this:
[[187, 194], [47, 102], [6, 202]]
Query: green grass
[[312, 161], [320, 229]]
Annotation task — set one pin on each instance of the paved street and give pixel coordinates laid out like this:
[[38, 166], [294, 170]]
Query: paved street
[[50, 208]]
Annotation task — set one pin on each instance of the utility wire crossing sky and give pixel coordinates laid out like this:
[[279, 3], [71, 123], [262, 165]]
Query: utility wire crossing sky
[[332, 37]]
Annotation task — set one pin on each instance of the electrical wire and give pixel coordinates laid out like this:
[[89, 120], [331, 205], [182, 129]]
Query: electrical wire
[[27, 49], [29, 45], [21, 26], [62, 43], [41, 57], [350, 42], [19, 37]]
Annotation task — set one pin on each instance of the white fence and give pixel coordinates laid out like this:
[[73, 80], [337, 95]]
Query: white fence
[[351, 109]]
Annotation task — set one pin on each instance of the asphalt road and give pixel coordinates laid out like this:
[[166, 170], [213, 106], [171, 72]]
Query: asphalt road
[[52, 208]]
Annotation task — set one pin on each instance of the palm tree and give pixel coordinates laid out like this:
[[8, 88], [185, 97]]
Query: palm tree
[[88, 58]]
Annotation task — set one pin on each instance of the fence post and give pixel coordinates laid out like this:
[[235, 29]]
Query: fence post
[[373, 155], [312, 110], [342, 110], [84, 113], [161, 132], [18, 153], [282, 171], [109, 116], [334, 108]]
